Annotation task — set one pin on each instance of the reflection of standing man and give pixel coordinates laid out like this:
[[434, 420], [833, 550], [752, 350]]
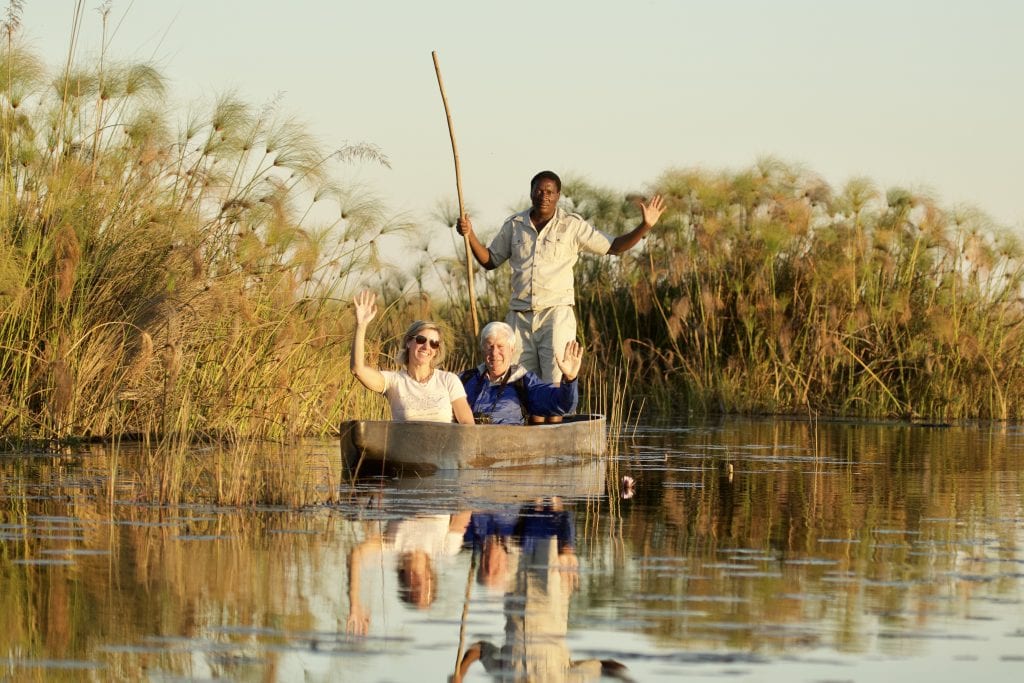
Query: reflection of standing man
[[537, 608], [542, 244]]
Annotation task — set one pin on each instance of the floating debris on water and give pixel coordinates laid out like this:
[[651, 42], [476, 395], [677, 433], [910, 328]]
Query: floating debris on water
[[627, 487]]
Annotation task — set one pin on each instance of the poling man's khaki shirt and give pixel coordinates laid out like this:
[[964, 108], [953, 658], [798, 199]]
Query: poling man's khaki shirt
[[542, 263]]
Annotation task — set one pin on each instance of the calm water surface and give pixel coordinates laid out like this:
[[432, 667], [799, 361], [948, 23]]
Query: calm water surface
[[745, 550]]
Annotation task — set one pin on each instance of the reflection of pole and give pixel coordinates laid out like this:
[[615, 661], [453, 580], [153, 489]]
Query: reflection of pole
[[458, 188], [465, 612]]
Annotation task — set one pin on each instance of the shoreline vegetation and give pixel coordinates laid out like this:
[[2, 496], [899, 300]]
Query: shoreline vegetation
[[183, 277], [768, 292]]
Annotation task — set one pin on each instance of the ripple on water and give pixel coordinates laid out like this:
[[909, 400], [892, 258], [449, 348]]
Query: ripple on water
[[812, 562], [57, 664], [726, 566], [926, 635], [754, 574], [74, 551]]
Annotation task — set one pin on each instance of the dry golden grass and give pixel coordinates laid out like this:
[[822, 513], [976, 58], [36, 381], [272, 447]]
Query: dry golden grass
[[765, 291]]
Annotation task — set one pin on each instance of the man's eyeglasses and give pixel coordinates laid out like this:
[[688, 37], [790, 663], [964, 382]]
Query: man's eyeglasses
[[420, 339]]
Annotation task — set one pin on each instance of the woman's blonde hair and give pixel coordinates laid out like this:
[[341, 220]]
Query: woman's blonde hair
[[416, 328]]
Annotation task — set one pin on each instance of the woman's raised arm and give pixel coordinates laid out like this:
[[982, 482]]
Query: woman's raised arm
[[365, 304]]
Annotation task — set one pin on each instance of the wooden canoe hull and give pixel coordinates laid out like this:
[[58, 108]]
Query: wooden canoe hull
[[375, 447]]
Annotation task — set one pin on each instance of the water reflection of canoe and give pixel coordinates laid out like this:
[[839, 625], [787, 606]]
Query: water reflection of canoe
[[371, 447], [490, 488]]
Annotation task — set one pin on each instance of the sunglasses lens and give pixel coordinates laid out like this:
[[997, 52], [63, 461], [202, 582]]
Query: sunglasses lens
[[434, 344]]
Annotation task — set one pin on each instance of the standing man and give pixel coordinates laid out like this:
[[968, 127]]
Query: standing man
[[542, 244]]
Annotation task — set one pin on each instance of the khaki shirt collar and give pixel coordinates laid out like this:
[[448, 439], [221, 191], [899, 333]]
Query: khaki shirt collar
[[523, 217]]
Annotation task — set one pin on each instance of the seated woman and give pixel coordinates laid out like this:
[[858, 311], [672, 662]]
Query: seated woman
[[419, 391], [501, 392]]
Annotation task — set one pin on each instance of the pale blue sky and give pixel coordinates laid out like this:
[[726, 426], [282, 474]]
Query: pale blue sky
[[925, 94]]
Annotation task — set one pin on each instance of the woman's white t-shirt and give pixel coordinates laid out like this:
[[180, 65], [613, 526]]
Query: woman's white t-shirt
[[430, 400], [430, 533]]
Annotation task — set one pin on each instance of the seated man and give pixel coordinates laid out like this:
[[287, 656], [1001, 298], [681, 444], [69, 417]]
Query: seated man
[[501, 392]]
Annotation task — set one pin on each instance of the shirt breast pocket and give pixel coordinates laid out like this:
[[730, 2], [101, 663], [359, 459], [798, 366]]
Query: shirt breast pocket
[[554, 248], [522, 249]]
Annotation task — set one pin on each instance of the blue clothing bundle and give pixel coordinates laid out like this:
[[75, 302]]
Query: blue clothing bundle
[[540, 524], [502, 401], [500, 523], [528, 525]]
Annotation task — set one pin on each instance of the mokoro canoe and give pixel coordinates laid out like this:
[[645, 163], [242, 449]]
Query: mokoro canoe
[[381, 446]]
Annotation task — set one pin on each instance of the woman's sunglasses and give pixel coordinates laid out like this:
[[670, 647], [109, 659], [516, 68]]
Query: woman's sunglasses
[[420, 339]]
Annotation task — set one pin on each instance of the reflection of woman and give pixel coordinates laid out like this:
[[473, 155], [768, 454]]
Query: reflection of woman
[[419, 391], [416, 543]]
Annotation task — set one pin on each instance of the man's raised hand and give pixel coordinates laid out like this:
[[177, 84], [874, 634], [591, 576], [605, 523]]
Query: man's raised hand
[[571, 361], [653, 209]]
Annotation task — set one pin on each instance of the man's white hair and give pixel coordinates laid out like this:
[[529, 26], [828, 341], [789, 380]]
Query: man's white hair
[[498, 329]]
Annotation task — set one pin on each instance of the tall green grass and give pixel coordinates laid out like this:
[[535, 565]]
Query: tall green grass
[[169, 278], [767, 291]]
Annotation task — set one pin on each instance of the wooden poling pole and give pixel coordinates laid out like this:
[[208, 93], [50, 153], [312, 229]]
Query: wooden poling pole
[[465, 611], [462, 207]]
